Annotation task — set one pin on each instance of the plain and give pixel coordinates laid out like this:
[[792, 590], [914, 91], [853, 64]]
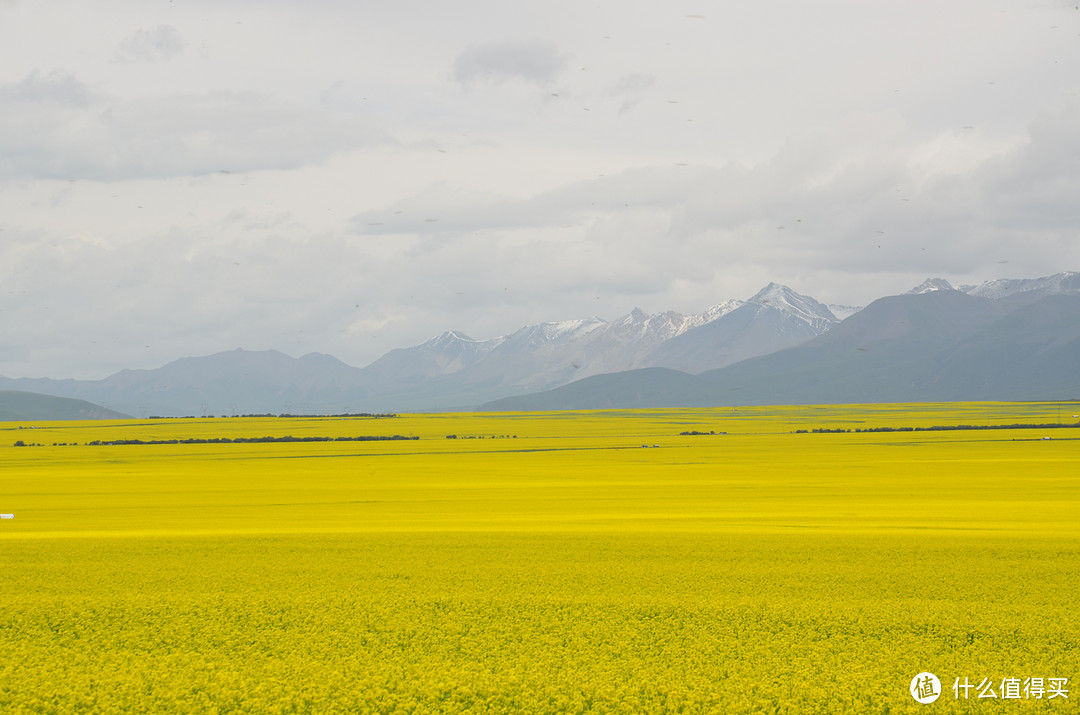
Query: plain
[[540, 562]]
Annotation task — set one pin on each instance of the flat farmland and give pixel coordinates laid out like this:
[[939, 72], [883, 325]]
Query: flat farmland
[[542, 562]]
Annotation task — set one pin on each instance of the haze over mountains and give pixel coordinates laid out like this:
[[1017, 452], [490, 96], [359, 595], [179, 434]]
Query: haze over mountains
[[1004, 339]]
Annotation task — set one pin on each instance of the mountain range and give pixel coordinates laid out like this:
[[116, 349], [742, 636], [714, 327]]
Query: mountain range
[[1003, 339], [994, 343]]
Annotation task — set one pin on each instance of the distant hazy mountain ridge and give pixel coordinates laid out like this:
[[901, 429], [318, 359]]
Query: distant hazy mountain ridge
[[1058, 284], [29, 406], [722, 344]]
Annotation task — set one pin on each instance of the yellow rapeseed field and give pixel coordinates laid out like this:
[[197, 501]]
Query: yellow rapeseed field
[[544, 562]]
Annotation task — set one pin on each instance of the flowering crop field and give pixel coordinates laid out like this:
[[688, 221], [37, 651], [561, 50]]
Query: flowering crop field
[[544, 562]]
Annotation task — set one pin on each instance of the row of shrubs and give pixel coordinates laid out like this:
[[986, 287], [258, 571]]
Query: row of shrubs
[[938, 428], [223, 440], [247, 440], [283, 414]]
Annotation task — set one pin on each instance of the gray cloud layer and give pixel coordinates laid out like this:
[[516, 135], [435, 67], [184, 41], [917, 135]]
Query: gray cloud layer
[[53, 126], [159, 44], [824, 214], [533, 61], [181, 178]]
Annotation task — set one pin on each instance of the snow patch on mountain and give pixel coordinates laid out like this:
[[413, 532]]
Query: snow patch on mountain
[[571, 328], [815, 314], [1057, 284], [842, 312], [929, 285], [717, 311]]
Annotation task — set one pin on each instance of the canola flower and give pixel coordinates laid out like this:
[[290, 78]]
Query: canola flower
[[539, 563]]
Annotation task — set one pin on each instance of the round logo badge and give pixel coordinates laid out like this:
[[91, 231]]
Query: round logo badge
[[925, 687]]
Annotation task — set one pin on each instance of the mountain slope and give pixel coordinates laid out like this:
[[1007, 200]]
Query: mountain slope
[[1033, 353], [29, 406], [887, 352], [647, 387]]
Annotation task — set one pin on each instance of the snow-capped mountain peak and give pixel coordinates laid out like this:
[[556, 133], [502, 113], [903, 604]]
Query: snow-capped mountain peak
[[929, 285], [455, 340], [449, 336], [800, 306]]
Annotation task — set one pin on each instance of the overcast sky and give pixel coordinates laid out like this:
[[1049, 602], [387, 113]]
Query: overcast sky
[[184, 177]]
